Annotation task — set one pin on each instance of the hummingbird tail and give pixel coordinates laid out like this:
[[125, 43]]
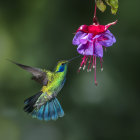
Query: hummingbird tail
[[49, 111], [29, 103]]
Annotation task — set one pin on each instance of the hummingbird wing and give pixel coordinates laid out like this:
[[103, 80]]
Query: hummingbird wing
[[38, 74]]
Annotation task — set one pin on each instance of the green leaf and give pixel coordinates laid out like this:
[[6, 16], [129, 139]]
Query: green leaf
[[100, 4], [114, 5]]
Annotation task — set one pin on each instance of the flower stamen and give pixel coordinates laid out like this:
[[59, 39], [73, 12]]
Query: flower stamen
[[95, 81], [88, 70], [85, 61], [105, 49], [101, 60]]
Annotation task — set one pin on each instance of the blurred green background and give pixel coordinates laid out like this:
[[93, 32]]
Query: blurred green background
[[39, 33]]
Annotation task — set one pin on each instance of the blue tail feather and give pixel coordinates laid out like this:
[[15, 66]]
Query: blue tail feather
[[59, 108], [40, 113], [50, 111], [46, 112], [55, 112]]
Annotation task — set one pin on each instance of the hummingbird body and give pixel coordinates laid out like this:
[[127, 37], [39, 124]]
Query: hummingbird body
[[44, 105], [56, 81]]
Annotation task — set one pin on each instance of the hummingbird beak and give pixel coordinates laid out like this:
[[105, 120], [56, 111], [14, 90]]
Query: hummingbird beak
[[73, 58]]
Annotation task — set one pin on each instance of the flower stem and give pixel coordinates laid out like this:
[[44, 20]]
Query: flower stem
[[95, 20], [95, 10]]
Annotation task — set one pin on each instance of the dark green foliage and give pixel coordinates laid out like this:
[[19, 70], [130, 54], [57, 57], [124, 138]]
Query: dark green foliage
[[112, 3]]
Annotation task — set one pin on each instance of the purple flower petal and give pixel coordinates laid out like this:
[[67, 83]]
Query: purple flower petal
[[84, 39], [85, 49], [77, 37], [90, 36], [98, 49], [107, 39]]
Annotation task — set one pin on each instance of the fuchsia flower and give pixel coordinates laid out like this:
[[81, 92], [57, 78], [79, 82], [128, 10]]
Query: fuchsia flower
[[90, 41]]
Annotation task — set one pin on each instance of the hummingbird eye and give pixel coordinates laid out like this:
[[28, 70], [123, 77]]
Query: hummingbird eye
[[62, 64]]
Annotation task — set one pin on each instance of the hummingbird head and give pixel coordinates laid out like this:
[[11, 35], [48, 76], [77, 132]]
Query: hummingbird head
[[61, 66]]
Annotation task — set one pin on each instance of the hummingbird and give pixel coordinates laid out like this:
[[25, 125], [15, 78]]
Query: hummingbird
[[44, 105]]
